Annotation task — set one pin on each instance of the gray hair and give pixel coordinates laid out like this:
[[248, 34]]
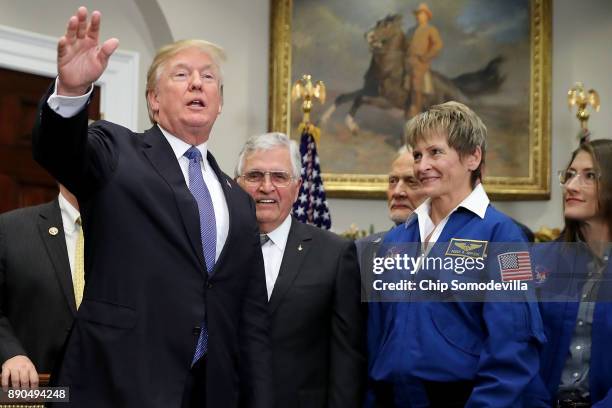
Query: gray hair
[[269, 141], [463, 129], [405, 148]]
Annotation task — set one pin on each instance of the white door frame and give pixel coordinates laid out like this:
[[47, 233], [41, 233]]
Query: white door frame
[[37, 54]]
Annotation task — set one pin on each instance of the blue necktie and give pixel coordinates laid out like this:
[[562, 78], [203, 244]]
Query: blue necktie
[[208, 229]]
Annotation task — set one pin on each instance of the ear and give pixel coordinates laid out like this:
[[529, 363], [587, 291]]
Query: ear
[[473, 159], [297, 189], [220, 99], [153, 101]]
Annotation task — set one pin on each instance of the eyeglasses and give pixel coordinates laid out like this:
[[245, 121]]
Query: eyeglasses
[[277, 178], [585, 177]]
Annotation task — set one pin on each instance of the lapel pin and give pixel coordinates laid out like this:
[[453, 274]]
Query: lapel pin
[[300, 247], [228, 183], [53, 231]]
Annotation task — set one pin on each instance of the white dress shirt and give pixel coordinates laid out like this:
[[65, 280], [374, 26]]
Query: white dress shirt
[[71, 232], [68, 106], [477, 202], [273, 252], [179, 148]]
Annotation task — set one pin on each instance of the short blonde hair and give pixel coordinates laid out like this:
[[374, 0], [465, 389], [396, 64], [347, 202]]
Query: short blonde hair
[[165, 53], [464, 130]]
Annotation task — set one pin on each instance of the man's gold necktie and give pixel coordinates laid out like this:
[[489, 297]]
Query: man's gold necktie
[[78, 277]]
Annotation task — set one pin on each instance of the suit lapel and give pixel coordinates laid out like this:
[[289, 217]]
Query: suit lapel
[[50, 216], [298, 245], [160, 154]]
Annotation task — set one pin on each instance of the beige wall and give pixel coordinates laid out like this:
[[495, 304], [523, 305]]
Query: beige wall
[[581, 40], [120, 19], [242, 28]]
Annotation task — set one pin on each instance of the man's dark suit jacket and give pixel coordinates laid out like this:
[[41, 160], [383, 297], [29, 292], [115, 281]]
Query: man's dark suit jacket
[[318, 333], [37, 304], [147, 291]]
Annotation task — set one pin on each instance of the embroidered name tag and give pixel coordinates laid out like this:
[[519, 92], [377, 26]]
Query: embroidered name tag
[[469, 248]]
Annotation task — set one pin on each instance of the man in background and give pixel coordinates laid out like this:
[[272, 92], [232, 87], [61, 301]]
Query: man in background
[[404, 192], [317, 332], [41, 264], [404, 195]]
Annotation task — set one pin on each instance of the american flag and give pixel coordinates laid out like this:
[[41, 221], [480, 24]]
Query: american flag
[[311, 205], [515, 266]]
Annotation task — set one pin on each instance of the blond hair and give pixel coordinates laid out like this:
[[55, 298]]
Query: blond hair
[[463, 129], [165, 54]]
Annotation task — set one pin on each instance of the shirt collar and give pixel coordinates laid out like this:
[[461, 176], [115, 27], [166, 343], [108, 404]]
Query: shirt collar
[[69, 213], [477, 202], [279, 235], [179, 147]]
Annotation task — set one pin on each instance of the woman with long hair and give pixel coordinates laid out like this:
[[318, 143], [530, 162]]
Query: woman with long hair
[[576, 362]]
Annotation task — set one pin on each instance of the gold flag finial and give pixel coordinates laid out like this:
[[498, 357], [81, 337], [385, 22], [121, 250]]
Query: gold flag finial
[[577, 96], [304, 89]]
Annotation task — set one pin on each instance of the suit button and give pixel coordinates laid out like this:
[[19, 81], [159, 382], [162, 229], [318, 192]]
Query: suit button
[[209, 285], [196, 331]]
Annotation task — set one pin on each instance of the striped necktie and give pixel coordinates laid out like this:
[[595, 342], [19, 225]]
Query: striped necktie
[[208, 230]]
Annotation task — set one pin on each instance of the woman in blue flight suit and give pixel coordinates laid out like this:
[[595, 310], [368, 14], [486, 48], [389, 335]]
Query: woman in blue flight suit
[[453, 354], [576, 364]]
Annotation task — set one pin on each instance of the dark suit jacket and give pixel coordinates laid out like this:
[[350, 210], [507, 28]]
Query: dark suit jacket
[[147, 291], [318, 334], [37, 304]]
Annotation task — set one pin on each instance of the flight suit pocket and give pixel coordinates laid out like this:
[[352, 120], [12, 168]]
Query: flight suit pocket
[[454, 331]]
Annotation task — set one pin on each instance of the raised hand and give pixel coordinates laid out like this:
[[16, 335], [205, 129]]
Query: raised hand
[[80, 58]]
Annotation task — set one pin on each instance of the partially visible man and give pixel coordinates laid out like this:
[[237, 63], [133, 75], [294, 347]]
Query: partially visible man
[[317, 330], [424, 44], [404, 193], [174, 312], [38, 265]]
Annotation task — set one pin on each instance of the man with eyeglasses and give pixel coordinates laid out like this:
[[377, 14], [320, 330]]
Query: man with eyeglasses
[[317, 332]]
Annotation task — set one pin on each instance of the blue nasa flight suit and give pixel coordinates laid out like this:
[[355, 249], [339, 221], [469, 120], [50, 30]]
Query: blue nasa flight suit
[[566, 267], [493, 344]]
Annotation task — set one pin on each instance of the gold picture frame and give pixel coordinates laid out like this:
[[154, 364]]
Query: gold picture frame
[[533, 185]]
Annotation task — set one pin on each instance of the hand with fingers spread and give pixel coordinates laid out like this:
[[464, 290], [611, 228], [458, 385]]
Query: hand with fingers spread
[[81, 60], [19, 372]]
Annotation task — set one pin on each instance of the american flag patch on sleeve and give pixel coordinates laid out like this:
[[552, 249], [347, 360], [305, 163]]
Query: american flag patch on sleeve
[[515, 266]]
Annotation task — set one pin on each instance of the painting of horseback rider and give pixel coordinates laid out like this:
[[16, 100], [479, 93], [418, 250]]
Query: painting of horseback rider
[[399, 74], [381, 71]]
